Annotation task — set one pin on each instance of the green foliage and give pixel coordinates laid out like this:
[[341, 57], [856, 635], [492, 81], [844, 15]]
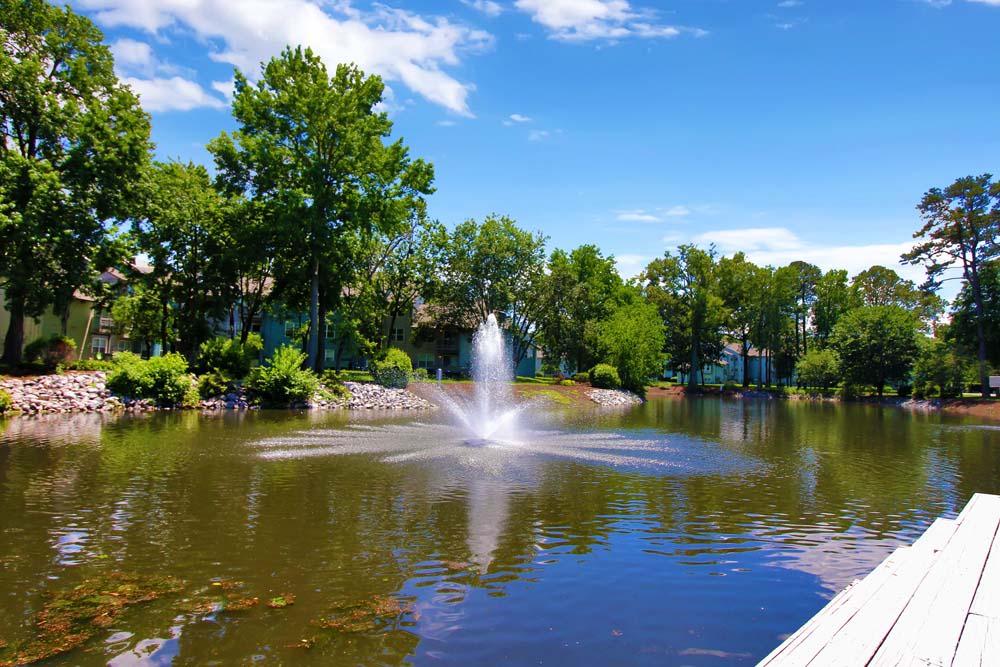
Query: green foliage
[[729, 385], [566, 383], [213, 383], [141, 315], [336, 392], [632, 341], [963, 330], [52, 351], [833, 298], [420, 375], [877, 345], [684, 287], [961, 230], [819, 369], [228, 356], [938, 371], [164, 379], [91, 365], [392, 368], [6, 402], [580, 290], [75, 144], [282, 380], [492, 268], [581, 377], [604, 376]]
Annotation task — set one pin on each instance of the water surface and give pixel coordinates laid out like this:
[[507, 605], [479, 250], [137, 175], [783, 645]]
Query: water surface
[[695, 532]]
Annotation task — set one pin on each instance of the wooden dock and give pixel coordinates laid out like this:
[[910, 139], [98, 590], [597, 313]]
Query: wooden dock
[[936, 602]]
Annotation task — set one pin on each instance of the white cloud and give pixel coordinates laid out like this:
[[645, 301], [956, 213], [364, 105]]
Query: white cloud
[[630, 266], [518, 118], [397, 44], [132, 55], [487, 7], [778, 246], [991, 3], [636, 215], [445, 123], [789, 3], [172, 94], [539, 135], [227, 88], [586, 20]]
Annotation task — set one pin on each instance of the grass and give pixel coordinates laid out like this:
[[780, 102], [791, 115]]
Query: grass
[[524, 379], [550, 394]]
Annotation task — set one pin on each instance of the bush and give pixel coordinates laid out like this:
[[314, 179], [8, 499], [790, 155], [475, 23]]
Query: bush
[[580, 378], [228, 356], [334, 392], [164, 379], [938, 371], [420, 375], [605, 376], [52, 351], [566, 383], [729, 385], [282, 380], [213, 383], [392, 368], [6, 402], [819, 369], [91, 365]]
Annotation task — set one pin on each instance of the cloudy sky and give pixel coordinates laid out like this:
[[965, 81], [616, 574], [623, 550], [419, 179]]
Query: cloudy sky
[[791, 129]]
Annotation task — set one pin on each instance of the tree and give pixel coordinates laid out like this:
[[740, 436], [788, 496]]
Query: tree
[[684, 288], [937, 370], [493, 267], [250, 242], [833, 299], [182, 231], [963, 330], [961, 226], [876, 344], [580, 290], [806, 277], [818, 368], [140, 316], [310, 146], [740, 282], [74, 143], [632, 341]]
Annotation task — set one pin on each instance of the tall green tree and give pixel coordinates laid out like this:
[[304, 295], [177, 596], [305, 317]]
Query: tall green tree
[[740, 283], [964, 324], [311, 145], [877, 345], [806, 277], [581, 289], [833, 298], [684, 288], [182, 231], [632, 340], [493, 267], [74, 144], [961, 230]]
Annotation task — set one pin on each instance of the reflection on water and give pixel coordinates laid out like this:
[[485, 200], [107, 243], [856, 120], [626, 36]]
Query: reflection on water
[[679, 532]]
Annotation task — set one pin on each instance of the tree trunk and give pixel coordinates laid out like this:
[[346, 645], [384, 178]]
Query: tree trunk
[[163, 326], [14, 340], [321, 341], [312, 351], [693, 376]]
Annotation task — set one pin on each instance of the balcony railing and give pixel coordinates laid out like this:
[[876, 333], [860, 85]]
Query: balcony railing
[[105, 323]]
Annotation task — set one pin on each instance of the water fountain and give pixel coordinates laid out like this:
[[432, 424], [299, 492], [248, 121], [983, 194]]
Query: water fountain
[[491, 413]]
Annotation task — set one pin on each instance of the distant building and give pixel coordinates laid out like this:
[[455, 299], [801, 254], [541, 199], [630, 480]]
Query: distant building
[[729, 367]]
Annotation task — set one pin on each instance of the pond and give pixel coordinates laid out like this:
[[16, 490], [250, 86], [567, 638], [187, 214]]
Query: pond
[[687, 532]]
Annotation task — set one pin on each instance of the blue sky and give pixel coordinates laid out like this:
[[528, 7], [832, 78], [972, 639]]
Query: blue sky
[[791, 129]]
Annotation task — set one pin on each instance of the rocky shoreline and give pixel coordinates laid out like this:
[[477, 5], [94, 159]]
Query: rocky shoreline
[[613, 397], [87, 392]]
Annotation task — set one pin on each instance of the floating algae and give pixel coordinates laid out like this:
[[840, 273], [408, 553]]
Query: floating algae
[[281, 601], [374, 613], [70, 618]]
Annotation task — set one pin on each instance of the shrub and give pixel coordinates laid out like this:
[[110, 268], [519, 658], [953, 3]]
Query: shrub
[[632, 341], [819, 369], [212, 384], [335, 392], [605, 376], [581, 377], [566, 383], [228, 356], [937, 370], [282, 380], [6, 402], [164, 379], [729, 385], [52, 351], [420, 375], [91, 365], [392, 368]]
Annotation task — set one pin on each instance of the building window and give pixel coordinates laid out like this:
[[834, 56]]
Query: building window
[[398, 335], [330, 356], [98, 344], [122, 346], [291, 326], [425, 360]]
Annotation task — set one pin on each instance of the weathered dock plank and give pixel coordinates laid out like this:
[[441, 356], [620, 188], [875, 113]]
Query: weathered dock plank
[[934, 603]]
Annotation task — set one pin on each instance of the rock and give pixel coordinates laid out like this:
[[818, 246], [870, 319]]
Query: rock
[[611, 397]]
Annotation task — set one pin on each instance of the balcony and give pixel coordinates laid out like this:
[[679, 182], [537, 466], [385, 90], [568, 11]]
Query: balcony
[[105, 324]]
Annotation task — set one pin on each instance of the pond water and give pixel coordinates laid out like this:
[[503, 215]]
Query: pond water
[[680, 532]]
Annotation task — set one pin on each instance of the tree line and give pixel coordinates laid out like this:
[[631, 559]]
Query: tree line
[[314, 207]]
